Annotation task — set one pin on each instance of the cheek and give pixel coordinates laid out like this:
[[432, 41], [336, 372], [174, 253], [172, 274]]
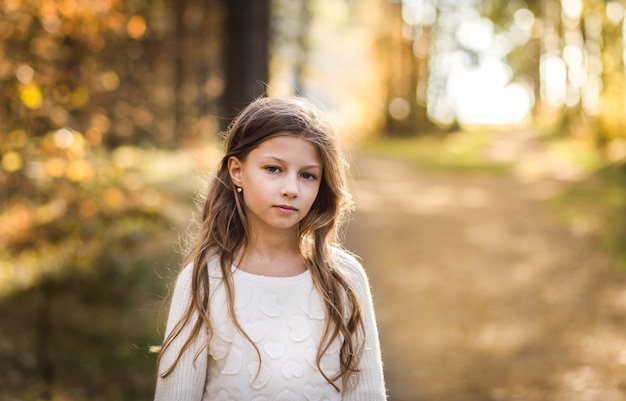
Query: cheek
[[314, 195], [314, 190]]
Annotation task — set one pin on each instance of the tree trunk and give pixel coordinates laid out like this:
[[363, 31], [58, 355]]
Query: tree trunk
[[246, 53], [45, 366], [303, 44], [179, 62], [401, 77]]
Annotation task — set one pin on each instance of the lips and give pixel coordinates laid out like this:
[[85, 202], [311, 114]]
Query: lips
[[286, 208]]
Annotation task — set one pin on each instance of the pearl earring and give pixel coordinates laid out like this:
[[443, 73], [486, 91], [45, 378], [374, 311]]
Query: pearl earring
[[239, 189]]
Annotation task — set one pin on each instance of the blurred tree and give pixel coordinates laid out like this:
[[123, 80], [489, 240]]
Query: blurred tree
[[290, 41], [246, 53], [194, 52], [405, 47], [532, 50], [524, 18], [302, 34], [82, 84], [570, 52], [401, 74]]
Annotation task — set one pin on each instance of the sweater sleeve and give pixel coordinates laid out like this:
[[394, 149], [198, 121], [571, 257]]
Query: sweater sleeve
[[187, 380], [370, 382]]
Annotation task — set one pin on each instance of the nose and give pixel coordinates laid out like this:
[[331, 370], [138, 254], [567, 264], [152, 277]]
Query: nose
[[290, 187]]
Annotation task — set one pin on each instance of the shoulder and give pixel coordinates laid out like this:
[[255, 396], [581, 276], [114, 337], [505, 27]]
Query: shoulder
[[346, 260], [185, 276], [350, 266]]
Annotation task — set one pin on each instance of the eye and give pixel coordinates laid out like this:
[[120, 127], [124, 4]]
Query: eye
[[308, 176], [272, 169]]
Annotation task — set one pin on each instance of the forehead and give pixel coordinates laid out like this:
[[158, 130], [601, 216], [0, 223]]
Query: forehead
[[289, 148]]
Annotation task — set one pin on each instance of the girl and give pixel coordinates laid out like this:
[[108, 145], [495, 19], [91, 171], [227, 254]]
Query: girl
[[268, 306]]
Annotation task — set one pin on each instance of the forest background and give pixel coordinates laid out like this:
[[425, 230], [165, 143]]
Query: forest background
[[110, 114]]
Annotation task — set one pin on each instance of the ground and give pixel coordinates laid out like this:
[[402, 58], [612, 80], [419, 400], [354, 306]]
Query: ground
[[481, 293]]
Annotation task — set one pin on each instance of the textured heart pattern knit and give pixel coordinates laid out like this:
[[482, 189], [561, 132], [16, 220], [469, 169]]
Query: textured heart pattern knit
[[284, 316]]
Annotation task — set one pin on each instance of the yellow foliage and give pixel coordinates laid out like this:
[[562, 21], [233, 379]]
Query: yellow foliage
[[99, 125], [12, 161], [136, 27], [50, 211], [88, 208], [24, 73], [110, 80], [64, 138], [31, 96], [61, 94], [72, 142], [17, 139], [113, 198], [125, 157], [55, 167], [93, 136], [79, 171], [152, 199], [616, 150], [11, 6], [15, 223], [80, 97], [58, 115]]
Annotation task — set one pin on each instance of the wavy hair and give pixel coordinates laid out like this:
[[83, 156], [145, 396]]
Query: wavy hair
[[223, 229]]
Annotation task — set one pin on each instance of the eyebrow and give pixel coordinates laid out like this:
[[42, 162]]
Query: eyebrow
[[278, 159]]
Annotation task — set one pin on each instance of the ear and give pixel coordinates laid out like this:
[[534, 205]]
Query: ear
[[234, 170]]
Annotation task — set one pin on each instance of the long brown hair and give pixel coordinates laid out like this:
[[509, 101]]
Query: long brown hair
[[222, 229]]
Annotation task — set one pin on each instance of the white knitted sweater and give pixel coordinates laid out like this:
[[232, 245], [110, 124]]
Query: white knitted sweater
[[284, 316]]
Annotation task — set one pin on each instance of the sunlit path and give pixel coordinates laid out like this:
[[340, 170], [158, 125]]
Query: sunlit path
[[481, 294]]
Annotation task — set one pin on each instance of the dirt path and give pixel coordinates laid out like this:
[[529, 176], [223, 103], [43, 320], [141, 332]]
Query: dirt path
[[481, 294]]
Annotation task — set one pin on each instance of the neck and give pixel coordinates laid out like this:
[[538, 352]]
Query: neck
[[272, 255], [273, 240]]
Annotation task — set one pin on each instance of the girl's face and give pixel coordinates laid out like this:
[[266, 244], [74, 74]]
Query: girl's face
[[280, 180]]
